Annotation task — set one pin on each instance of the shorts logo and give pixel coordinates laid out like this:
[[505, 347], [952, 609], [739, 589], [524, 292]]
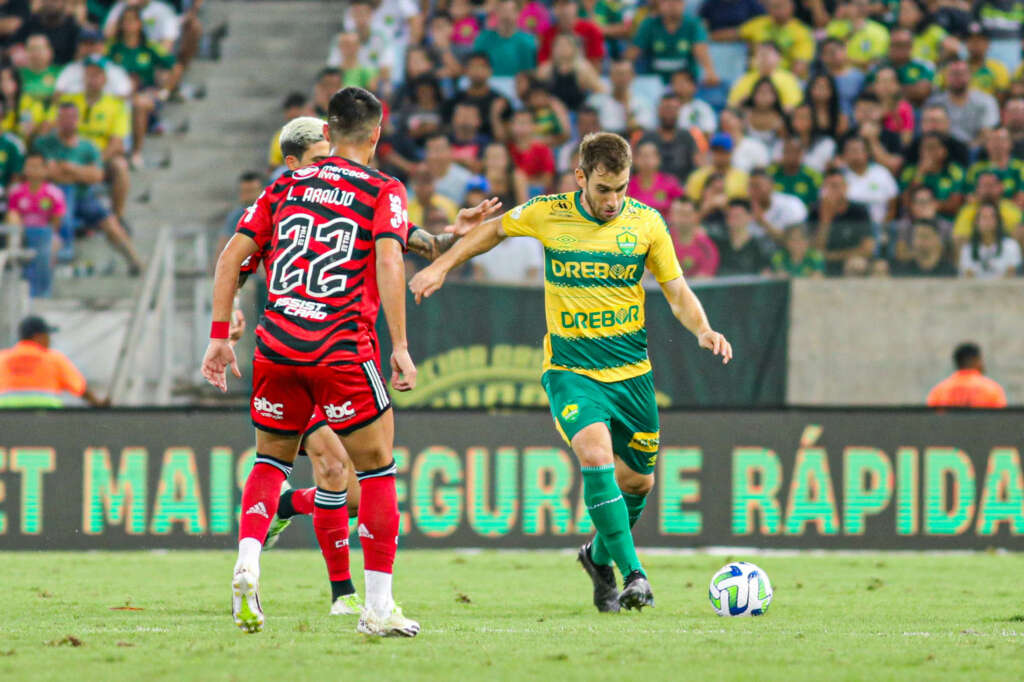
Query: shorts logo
[[267, 408], [339, 413], [626, 242], [645, 442], [652, 461], [571, 413]]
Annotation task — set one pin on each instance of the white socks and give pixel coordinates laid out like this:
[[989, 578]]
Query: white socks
[[249, 553], [378, 592]]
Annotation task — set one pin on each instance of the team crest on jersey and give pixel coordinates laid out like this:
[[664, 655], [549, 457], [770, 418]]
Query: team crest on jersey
[[303, 173], [626, 242], [571, 412]]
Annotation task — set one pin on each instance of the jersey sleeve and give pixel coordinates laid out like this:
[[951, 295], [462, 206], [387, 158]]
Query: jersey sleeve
[[661, 256], [524, 220], [391, 217], [256, 221], [71, 380]]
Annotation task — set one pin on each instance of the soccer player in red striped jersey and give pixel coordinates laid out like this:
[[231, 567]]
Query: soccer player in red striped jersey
[[334, 233], [303, 143]]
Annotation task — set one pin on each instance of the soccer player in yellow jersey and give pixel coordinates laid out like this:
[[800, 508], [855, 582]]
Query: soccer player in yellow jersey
[[597, 375]]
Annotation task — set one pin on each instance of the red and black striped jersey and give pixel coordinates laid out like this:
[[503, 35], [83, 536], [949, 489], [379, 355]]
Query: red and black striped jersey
[[315, 229]]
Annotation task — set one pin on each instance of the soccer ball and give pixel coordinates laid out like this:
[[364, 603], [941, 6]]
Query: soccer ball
[[740, 589]]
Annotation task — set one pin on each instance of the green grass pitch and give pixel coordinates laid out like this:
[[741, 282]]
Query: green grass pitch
[[514, 616]]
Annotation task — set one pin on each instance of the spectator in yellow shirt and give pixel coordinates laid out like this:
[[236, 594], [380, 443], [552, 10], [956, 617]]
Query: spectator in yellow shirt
[[789, 34], [867, 41], [105, 122], [989, 190], [425, 198], [987, 74], [721, 164], [766, 65]]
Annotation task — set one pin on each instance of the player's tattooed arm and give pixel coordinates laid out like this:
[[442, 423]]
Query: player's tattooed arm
[[430, 246]]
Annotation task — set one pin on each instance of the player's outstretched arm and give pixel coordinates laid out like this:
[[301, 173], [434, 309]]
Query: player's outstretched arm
[[687, 309], [431, 246], [480, 239], [391, 285], [219, 354]]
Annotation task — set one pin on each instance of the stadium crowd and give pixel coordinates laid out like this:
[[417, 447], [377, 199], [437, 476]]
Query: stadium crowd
[[81, 87], [798, 138]]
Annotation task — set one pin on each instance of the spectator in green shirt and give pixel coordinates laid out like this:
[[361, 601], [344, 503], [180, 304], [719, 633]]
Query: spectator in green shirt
[[12, 158], [797, 258], [791, 176], [935, 171], [673, 41], [39, 75], [510, 50], [76, 166]]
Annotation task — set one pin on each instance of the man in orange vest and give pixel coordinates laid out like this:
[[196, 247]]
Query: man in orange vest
[[967, 386], [34, 375]]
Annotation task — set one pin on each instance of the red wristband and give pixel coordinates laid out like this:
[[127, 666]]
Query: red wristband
[[219, 330]]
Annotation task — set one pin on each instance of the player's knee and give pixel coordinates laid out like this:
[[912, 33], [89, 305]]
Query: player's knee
[[637, 485]]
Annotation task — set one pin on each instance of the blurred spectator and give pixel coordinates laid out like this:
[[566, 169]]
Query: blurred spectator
[[763, 116], [914, 75], [823, 97], [869, 183], [12, 159], [842, 228], [791, 175], [13, 15], [932, 42], [535, 17], [971, 112], [927, 254], [75, 165], [353, 71], [886, 146], [767, 65], [450, 177], [748, 151], [587, 122], [21, 115], [740, 253], [441, 50], [400, 20], [724, 17], [987, 190], [53, 19], [163, 26], [504, 180], [610, 17], [250, 185], [568, 75], [1002, 22], [1013, 121], [467, 141], [72, 77], [419, 116], [493, 106], [797, 258], [424, 199], [465, 26], [509, 50], [791, 36], [990, 253], [935, 119], [376, 45], [967, 386], [1001, 162], [988, 75], [328, 82], [694, 113], [670, 41], [37, 206], [39, 75], [295, 104], [816, 149], [648, 184], [531, 155], [550, 117], [568, 22], [721, 163], [936, 171], [513, 261], [697, 254], [848, 80], [867, 41], [105, 124], [897, 113], [773, 212], [34, 375], [619, 110], [921, 207]]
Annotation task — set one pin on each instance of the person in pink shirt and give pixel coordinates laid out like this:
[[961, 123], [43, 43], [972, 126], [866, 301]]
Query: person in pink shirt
[[697, 254], [898, 115], [38, 207], [465, 25], [535, 18], [648, 184]]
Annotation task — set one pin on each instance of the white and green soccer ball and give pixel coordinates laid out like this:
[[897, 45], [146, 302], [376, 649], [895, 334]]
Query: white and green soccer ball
[[740, 589]]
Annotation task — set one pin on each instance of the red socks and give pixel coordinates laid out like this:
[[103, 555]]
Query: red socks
[[378, 518], [302, 500], [330, 522], [260, 496]]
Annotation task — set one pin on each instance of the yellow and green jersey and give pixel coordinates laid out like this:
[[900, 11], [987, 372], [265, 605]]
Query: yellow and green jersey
[[1012, 176], [592, 272]]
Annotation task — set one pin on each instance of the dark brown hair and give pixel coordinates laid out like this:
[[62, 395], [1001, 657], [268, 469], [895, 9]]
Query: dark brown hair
[[608, 151], [353, 114]]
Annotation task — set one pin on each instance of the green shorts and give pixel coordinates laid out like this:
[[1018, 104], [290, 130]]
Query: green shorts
[[627, 407]]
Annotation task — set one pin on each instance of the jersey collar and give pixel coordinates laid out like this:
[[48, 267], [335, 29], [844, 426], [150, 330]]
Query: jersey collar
[[577, 198]]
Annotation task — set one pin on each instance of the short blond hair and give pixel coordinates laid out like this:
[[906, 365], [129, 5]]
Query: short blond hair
[[299, 134]]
